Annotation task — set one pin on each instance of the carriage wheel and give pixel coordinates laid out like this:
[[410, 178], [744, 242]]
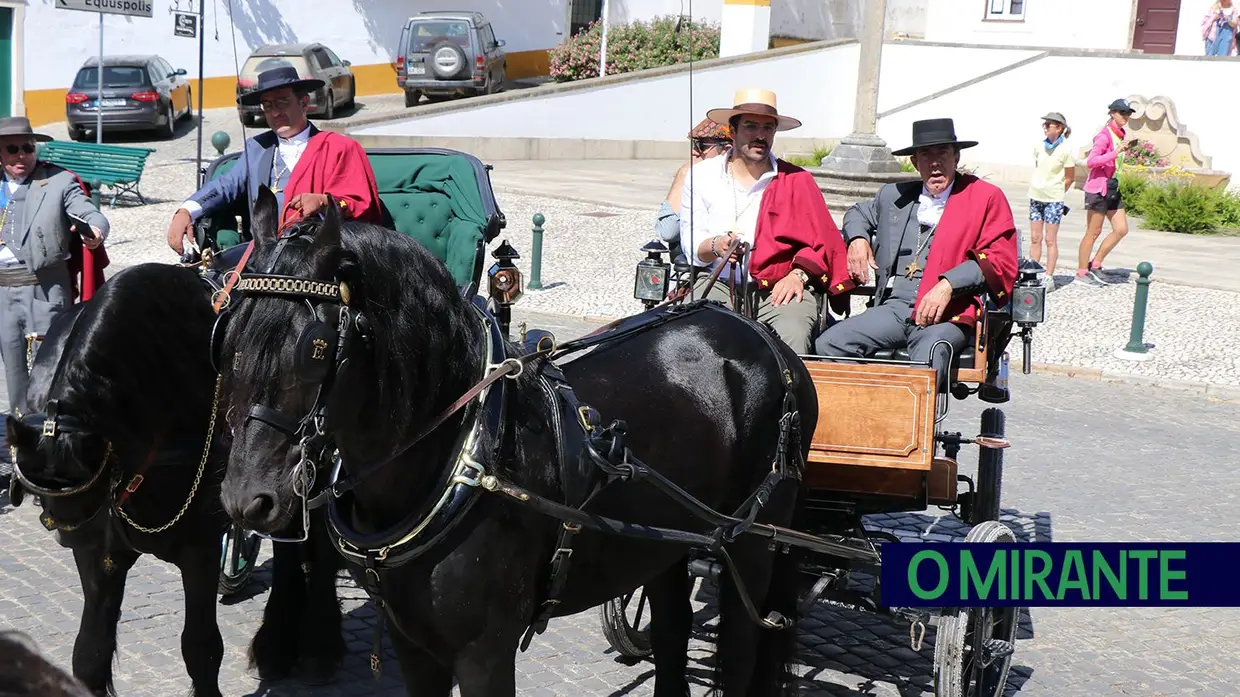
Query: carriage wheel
[[973, 646], [238, 555], [627, 637], [989, 470]]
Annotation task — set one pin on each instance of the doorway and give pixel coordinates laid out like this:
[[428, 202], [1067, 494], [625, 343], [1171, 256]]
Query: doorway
[[1156, 24], [582, 14]]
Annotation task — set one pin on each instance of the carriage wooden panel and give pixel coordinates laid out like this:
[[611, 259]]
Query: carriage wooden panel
[[872, 415]]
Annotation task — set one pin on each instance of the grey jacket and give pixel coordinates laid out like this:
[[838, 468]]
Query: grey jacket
[[53, 193], [888, 218]]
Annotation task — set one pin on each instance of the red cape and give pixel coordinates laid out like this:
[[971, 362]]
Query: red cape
[[88, 264], [976, 224], [335, 164], [795, 229]]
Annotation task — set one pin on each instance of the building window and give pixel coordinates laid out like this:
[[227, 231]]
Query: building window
[[1005, 10]]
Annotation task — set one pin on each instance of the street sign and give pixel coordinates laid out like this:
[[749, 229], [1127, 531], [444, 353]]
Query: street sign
[[186, 25], [131, 8]]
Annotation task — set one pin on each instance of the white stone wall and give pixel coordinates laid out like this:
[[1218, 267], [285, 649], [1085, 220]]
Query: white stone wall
[[362, 31], [1001, 112]]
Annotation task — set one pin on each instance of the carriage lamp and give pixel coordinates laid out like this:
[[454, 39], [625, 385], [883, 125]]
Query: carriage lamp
[[504, 283], [650, 280], [1028, 305]]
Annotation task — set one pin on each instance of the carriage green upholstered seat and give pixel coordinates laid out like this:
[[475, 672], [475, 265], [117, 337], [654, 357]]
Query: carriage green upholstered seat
[[431, 197]]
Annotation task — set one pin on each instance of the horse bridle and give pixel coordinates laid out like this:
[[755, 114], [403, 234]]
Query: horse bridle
[[52, 424], [319, 355]]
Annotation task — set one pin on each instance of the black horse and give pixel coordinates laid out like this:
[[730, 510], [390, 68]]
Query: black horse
[[126, 454], [354, 337]]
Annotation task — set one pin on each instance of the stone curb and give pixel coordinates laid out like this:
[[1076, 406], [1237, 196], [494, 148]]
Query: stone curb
[[1215, 393]]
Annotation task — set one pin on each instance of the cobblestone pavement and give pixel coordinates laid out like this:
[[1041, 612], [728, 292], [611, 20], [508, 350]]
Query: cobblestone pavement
[[1090, 461]]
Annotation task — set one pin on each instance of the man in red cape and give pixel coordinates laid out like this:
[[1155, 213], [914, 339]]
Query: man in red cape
[[297, 161], [935, 245], [797, 250]]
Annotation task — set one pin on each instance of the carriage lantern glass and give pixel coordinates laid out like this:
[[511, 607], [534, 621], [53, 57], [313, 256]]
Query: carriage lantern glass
[[650, 280], [1029, 295], [504, 280]]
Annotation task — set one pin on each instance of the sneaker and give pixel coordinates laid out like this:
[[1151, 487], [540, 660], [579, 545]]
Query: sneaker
[[1096, 274], [1088, 279]]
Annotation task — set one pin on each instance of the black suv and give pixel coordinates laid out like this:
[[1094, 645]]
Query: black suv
[[449, 54]]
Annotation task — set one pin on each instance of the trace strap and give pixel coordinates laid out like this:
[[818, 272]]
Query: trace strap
[[509, 367]]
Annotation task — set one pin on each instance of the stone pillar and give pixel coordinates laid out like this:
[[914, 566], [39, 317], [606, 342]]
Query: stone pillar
[[745, 27], [863, 151]]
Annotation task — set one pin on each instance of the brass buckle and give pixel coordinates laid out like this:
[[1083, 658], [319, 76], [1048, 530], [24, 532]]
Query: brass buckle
[[49, 428], [134, 483]]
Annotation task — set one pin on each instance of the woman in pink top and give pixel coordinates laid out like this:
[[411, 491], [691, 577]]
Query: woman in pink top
[[1102, 197]]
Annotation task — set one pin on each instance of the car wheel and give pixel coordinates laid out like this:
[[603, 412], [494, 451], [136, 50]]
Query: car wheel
[[171, 117], [330, 112], [352, 91], [189, 103], [412, 98], [77, 133], [448, 61]]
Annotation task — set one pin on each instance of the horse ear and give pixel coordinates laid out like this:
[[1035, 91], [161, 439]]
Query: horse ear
[[266, 217], [328, 234]]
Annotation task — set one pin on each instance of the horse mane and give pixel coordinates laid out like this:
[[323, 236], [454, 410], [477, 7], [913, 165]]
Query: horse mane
[[402, 290], [134, 353]]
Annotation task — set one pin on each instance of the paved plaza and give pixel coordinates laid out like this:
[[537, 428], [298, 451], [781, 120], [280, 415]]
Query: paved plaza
[[1091, 461]]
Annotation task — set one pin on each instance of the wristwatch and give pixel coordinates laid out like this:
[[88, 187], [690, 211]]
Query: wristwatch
[[802, 275]]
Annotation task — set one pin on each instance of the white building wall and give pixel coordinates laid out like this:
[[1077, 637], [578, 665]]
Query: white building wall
[[1188, 41], [626, 11], [1102, 24]]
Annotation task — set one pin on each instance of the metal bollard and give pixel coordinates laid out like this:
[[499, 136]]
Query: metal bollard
[[536, 253], [95, 186], [1136, 349]]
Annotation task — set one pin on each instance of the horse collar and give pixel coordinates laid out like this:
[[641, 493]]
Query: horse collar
[[458, 485]]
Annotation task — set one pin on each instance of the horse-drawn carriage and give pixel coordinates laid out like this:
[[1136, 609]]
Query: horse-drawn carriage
[[879, 449]]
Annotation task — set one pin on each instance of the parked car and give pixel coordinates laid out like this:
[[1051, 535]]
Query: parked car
[[139, 92], [449, 54], [313, 60]]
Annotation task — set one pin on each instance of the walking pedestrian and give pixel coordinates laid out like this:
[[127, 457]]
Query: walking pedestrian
[[1102, 195], [1219, 28], [1054, 172]]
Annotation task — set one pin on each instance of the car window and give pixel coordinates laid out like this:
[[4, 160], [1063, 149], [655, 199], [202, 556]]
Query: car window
[[488, 37], [321, 58], [113, 76], [163, 67], [331, 55], [257, 64], [427, 34]]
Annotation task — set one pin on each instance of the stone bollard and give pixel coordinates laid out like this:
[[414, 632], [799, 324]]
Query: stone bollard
[[536, 253], [95, 199], [1136, 349]]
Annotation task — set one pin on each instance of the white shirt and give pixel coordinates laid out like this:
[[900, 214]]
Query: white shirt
[[7, 257], [712, 203], [290, 149], [930, 207]]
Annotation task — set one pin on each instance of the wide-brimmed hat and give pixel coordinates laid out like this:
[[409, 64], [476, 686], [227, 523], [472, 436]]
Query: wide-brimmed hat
[[709, 130], [757, 102], [931, 132], [20, 126], [1121, 105], [276, 78]]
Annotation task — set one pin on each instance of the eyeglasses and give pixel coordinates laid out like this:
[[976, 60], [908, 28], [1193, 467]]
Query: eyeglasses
[[281, 104], [28, 148]]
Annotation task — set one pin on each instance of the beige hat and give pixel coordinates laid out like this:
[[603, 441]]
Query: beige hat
[[754, 101]]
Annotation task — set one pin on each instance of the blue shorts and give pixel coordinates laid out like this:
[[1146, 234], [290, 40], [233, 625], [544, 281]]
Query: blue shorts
[[1049, 211]]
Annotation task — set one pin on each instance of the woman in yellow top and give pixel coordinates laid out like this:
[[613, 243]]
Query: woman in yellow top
[[1054, 171]]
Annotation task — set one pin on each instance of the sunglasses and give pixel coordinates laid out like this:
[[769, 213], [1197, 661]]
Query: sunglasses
[[14, 149], [701, 147]]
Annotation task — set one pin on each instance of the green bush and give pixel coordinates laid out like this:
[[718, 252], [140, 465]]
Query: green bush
[[663, 41], [1182, 207], [1130, 189]]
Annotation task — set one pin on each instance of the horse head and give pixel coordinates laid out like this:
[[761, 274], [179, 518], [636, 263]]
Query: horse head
[[56, 456]]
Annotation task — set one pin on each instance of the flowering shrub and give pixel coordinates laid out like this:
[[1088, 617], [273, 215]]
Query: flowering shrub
[[663, 41], [1142, 153]]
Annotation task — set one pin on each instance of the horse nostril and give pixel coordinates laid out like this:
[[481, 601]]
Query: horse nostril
[[261, 509]]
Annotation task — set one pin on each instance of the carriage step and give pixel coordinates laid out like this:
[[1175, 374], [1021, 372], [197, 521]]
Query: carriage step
[[996, 650]]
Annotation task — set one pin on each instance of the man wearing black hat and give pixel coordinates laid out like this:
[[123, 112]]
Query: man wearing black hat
[[935, 245], [298, 162], [45, 219]]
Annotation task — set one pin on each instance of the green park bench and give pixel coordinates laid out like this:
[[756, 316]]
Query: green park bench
[[440, 197], [116, 166]]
